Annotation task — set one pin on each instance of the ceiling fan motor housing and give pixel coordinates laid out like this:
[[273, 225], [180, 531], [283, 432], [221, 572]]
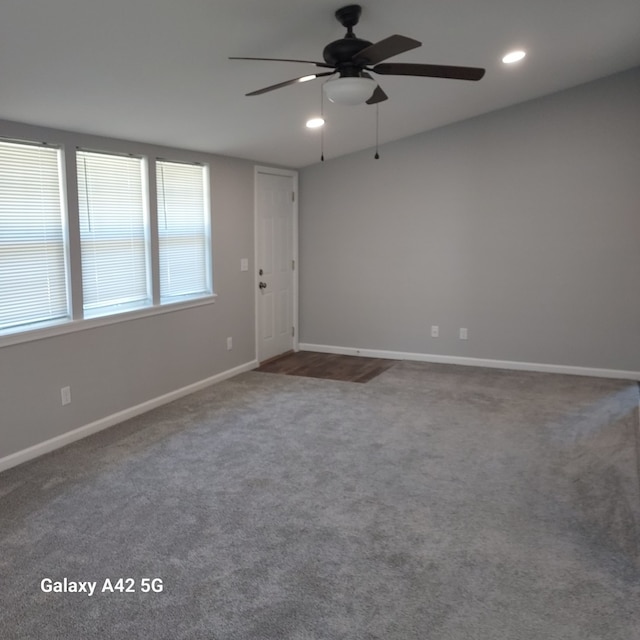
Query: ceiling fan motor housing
[[340, 54]]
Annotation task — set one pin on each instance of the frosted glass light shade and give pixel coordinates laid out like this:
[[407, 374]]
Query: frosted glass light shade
[[349, 90]]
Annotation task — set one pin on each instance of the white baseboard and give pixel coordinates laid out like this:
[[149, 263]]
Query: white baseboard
[[82, 432], [474, 362]]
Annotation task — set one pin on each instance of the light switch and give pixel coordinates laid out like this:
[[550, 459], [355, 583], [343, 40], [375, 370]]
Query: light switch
[[244, 264]]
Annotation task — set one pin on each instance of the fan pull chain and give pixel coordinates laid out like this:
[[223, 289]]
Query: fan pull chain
[[322, 127], [377, 156]]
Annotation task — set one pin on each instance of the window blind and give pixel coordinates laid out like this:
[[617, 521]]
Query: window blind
[[183, 230], [33, 271], [113, 233]]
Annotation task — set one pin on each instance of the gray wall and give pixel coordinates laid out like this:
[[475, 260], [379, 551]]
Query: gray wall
[[118, 366], [522, 225]]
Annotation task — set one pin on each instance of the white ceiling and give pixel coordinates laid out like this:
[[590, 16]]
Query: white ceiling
[[157, 70]]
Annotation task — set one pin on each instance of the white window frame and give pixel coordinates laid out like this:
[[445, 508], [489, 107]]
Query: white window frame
[[207, 271], [76, 321], [28, 326], [131, 210]]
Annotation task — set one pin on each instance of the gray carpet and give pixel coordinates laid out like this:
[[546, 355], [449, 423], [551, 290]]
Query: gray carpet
[[434, 502]]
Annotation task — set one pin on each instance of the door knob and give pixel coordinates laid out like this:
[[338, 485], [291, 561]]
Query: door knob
[[263, 285]]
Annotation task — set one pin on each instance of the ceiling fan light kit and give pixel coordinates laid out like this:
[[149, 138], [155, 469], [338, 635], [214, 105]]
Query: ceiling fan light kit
[[350, 91]]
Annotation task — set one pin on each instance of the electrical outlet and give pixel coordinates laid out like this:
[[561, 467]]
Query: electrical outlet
[[435, 330], [229, 344], [463, 334], [65, 395]]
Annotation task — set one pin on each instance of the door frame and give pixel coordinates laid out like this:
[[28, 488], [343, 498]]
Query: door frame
[[294, 252]]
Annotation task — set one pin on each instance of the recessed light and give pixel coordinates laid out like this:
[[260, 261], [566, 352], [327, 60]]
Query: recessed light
[[514, 56], [307, 78], [314, 123]]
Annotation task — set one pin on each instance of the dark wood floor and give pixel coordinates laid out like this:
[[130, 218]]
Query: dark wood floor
[[327, 365]]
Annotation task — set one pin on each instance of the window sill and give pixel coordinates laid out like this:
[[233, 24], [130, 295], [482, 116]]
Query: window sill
[[72, 326]]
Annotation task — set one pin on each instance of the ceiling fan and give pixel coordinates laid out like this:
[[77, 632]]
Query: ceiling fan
[[353, 58]]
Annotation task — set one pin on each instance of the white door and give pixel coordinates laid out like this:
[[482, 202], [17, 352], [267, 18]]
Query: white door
[[276, 232]]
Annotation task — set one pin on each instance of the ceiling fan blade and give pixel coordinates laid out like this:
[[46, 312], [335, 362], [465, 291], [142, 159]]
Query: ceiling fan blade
[[429, 70], [378, 95], [318, 64], [287, 83], [387, 48]]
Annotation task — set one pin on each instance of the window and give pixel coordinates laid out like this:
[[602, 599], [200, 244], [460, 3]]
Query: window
[[113, 233], [183, 230], [107, 253], [33, 261]]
